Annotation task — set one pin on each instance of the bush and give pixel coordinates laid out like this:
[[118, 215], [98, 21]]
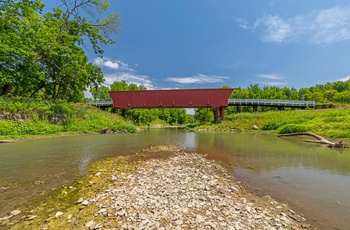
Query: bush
[[271, 125], [294, 128], [81, 118]]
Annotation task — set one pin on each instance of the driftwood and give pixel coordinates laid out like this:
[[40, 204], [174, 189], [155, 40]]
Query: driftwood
[[321, 139], [6, 141]]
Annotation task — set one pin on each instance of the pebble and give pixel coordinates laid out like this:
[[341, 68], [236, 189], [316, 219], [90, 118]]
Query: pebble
[[15, 212], [85, 203], [58, 214], [184, 191], [89, 224]]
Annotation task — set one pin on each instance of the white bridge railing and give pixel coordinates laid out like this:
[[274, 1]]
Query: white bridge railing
[[101, 103], [266, 102]]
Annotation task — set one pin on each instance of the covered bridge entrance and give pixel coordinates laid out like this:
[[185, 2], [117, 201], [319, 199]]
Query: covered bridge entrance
[[179, 98]]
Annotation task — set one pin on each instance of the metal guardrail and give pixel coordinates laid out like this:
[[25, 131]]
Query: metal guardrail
[[266, 102], [101, 103]]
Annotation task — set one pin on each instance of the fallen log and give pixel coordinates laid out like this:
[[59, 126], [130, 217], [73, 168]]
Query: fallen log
[[321, 139], [6, 141]]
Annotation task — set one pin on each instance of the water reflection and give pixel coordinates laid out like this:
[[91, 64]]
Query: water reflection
[[266, 152], [304, 174], [312, 177]]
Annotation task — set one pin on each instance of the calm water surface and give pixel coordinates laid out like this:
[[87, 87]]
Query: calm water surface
[[308, 177]]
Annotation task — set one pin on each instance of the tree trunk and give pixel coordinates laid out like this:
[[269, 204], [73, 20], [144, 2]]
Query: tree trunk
[[6, 89]]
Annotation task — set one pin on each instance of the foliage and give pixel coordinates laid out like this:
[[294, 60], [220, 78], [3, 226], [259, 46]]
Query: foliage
[[41, 119], [336, 92], [331, 123], [294, 128], [204, 115], [42, 56]]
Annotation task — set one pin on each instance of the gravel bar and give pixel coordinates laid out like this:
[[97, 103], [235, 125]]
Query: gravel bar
[[186, 191]]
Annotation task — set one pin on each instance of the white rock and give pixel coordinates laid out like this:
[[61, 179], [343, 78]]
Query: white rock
[[85, 202], [121, 212], [58, 214], [80, 200], [199, 219], [89, 224], [31, 217], [15, 212], [6, 217]]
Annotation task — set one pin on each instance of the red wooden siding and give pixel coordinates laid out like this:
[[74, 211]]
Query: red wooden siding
[[180, 98]]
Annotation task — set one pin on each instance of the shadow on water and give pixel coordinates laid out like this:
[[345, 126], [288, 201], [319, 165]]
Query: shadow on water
[[306, 176]]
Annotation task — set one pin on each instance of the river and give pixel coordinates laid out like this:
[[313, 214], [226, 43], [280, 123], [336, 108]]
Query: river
[[312, 179]]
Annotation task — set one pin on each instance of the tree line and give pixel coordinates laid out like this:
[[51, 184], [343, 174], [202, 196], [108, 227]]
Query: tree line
[[335, 92]]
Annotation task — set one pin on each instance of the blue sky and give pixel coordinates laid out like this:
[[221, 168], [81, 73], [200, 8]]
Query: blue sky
[[212, 43]]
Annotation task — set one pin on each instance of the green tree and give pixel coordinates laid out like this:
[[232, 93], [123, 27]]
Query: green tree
[[203, 115], [343, 97], [19, 23], [42, 55], [100, 92]]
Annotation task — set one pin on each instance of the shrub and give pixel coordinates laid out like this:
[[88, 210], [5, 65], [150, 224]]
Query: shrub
[[294, 128], [271, 125]]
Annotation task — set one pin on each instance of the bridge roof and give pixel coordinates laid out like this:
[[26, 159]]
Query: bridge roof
[[175, 98]]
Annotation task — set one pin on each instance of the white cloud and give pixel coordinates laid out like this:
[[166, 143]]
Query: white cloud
[[270, 76], [115, 65], [276, 29], [347, 78], [243, 23], [273, 83], [130, 78], [198, 79], [120, 71], [319, 27]]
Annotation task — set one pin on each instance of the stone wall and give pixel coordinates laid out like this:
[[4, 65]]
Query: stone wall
[[4, 115]]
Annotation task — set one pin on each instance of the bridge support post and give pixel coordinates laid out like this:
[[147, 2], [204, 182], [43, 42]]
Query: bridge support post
[[256, 108], [219, 114], [216, 114], [222, 113], [239, 108], [123, 112]]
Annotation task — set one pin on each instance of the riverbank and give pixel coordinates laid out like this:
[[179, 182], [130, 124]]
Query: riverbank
[[162, 187], [27, 119], [330, 123]]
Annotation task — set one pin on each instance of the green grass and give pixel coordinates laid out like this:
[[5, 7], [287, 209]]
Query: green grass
[[332, 123], [40, 119]]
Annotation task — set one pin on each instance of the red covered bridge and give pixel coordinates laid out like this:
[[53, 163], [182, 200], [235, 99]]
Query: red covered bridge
[[177, 98]]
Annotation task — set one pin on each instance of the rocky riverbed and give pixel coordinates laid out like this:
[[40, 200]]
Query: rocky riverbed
[[179, 190]]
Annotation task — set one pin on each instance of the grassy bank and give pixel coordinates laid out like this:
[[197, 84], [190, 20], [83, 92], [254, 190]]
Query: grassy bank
[[333, 123], [23, 118]]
